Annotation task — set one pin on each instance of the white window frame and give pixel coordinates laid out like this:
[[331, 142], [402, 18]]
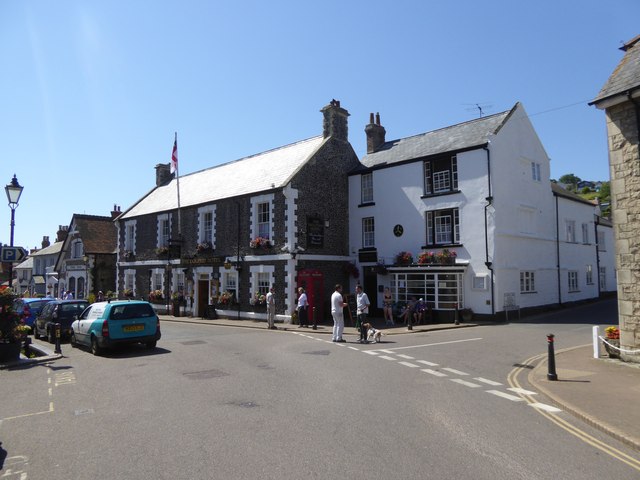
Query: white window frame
[[130, 279], [368, 232], [527, 281], [366, 186], [206, 233], [570, 227], [589, 274], [230, 282], [603, 279], [130, 236], [572, 277], [77, 249], [443, 227], [441, 180], [535, 172], [260, 227], [164, 230], [585, 233]]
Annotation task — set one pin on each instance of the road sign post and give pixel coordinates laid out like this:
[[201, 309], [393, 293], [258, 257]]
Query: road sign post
[[12, 254]]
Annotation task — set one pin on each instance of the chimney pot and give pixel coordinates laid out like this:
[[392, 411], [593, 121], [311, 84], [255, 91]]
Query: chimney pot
[[375, 134]]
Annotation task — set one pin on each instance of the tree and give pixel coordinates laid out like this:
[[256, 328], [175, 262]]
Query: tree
[[570, 179]]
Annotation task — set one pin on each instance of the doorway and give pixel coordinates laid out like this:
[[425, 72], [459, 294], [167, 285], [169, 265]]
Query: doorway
[[203, 298], [313, 283]]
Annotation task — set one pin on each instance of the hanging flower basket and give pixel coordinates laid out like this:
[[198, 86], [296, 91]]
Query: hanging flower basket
[[426, 258], [446, 257], [351, 269], [162, 250], [204, 247], [260, 242]]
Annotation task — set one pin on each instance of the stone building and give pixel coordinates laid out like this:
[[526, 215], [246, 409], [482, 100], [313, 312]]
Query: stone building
[[278, 218], [620, 99], [87, 260]]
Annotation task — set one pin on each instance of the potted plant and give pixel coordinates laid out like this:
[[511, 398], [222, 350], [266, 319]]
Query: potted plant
[[404, 258], [258, 299], [612, 341], [446, 257], [260, 242], [12, 331], [426, 258], [162, 251], [204, 247], [128, 293], [156, 296]]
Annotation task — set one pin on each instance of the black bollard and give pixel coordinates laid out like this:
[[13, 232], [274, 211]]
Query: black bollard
[[315, 322], [551, 375], [456, 320], [57, 331]]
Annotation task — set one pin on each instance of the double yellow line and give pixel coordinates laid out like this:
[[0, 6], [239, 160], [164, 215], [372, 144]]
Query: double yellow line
[[512, 379]]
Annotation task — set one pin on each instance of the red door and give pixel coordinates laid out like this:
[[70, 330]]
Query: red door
[[313, 283]]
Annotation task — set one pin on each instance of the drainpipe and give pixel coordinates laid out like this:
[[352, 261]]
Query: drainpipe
[[558, 251], [489, 200], [595, 225]]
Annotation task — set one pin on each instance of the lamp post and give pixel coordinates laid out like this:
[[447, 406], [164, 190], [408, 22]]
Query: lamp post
[[13, 190], [85, 260]]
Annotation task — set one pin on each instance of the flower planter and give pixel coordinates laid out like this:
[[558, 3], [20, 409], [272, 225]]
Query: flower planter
[[609, 344], [9, 352]]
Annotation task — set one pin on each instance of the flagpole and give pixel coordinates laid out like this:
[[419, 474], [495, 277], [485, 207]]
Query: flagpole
[[178, 187]]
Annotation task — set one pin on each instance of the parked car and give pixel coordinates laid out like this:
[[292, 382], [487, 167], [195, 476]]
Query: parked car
[[30, 308], [106, 324], [63, 312]]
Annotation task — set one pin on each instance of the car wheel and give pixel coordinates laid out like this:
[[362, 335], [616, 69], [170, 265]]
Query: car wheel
[[151, 345], [73, 340], [95, 348]]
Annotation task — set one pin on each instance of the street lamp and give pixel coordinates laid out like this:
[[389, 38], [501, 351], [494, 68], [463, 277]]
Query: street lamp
[[13, 190]]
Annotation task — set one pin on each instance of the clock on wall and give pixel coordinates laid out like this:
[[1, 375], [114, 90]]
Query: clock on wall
[[398, 230]]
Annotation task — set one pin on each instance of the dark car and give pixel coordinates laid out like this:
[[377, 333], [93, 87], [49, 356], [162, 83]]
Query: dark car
[[63, 312], [30, 308]]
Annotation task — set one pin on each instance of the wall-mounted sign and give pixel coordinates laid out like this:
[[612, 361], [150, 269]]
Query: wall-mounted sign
[[398, 230], [315, 232]]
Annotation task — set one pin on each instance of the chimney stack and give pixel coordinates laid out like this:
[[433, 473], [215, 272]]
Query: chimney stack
[[163, 174], [63, 231], [375, 134], [115, 212], [335, 122], [45, 242]]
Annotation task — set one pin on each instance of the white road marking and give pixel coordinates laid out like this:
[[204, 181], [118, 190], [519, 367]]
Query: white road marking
[[387, 357], [371, 352], [433, 372], [407, 357], [390, 350], [465, 383], [498, 393], [454, 371], [522, 391], [411, 365], [431, 364], [487, 381], [354, 348], [545, 407]]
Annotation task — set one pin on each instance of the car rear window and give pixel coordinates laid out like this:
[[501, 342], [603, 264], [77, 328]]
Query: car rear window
[[39, 304], [73, 307], [124, 312]]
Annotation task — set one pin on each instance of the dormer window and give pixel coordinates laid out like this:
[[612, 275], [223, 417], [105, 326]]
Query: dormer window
[[440, 175]]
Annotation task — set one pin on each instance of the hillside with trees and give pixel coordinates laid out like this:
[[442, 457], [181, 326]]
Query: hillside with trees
[[589, 190]]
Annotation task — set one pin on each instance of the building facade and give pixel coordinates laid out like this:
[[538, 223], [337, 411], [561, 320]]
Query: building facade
[[620, 100], [276, 218], [464, 217]]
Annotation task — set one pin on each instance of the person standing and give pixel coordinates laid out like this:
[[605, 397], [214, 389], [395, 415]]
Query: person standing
[[362, 308], [271, 310], [387, 306], [303, 306], [337, 312]]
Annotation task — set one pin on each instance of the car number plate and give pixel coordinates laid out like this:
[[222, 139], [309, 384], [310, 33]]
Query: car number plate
[[133, 328]]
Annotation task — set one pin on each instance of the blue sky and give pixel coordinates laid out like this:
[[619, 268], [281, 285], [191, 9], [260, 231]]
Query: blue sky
[[93, 91]]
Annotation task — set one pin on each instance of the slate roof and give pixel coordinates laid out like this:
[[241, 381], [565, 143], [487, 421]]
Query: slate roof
[[474, 133], [256, 173], [28, 263], [98, 234], [51, 249], [563, 192], [626, 76]]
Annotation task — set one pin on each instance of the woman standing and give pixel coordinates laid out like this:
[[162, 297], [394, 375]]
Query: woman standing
[[387, 307]]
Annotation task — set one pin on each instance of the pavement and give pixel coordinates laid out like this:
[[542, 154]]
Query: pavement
[[603, 392]]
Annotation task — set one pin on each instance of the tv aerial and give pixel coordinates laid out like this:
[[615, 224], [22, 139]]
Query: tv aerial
[[480, 107]]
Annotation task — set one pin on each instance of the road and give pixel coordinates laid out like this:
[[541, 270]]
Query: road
[[231, 403]]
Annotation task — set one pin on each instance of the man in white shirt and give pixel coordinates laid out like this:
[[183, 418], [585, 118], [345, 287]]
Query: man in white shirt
[[337, 306], [271, 310]]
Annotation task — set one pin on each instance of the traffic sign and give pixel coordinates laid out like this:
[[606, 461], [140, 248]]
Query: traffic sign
[[12, 254]]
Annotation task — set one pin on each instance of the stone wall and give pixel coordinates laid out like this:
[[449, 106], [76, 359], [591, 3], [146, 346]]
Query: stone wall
[[624, 164]]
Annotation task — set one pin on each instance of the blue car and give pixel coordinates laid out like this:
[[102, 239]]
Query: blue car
[[30, 308], [106, 324]]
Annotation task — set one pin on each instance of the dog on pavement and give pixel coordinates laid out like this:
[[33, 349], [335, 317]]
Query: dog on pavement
[[374, 335]]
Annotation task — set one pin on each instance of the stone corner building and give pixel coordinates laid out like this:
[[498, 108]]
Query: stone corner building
[[277, 218], [620, 99]]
